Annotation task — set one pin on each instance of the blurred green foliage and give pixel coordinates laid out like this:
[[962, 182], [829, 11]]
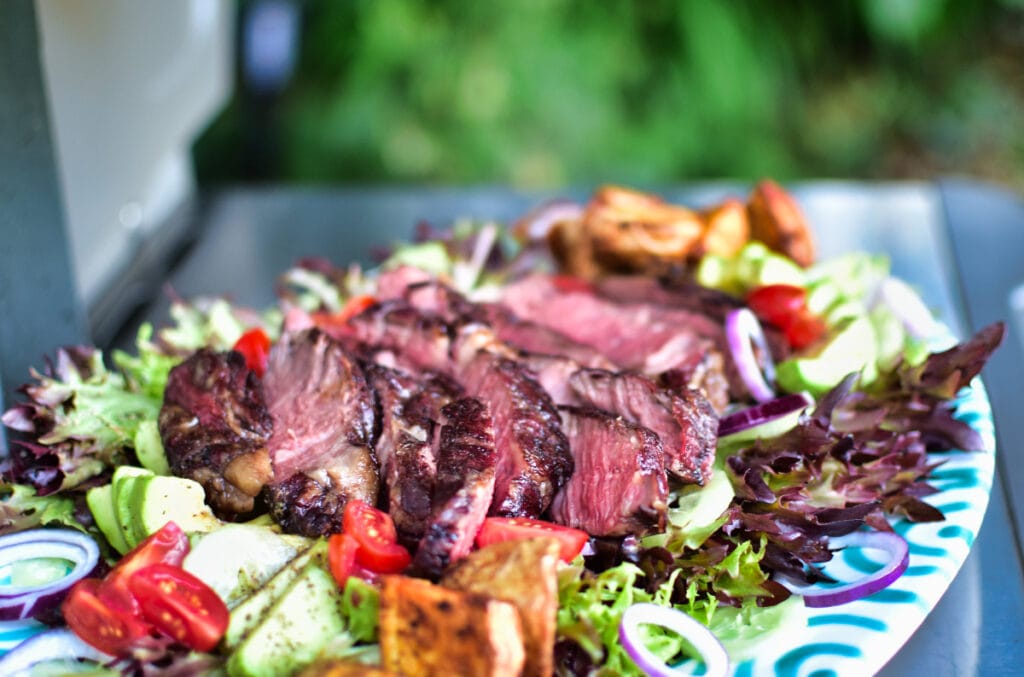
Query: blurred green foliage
[[543, 93]]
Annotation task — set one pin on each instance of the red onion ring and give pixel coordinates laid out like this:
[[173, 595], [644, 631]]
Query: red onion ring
[[54, 645], [539, 222], [18, 602], [743, 332], [711, 651], [760, 414], [899, 558], [908, 307]]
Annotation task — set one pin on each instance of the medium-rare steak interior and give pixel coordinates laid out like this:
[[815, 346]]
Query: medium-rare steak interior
[[619, 485], [214, 425], [323, 425], [685, 423]]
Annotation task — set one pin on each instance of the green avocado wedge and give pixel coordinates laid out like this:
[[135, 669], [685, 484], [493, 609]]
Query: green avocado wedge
[[124, 484], [159, 499], [852, 349], [101, 504]]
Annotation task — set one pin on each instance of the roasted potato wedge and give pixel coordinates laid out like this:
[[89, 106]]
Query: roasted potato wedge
[[776, 220], [523, 573], [428, 630]]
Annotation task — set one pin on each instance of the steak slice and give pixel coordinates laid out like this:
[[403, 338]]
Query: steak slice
[[323, 424], [624, 333], [533, 453], [686, 423], [463, 488], [536, 338], [416, 340], [619, 486], [214, 425], [405, 451]]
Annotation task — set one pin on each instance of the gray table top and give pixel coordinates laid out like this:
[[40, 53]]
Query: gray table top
[[252, 235]]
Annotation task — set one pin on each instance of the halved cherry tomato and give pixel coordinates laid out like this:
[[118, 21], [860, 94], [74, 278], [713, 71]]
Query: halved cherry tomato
[[804, 329], [255, 348], [337, 322], [497, 529], [180, 605], [777, 303], [168, 545], [569, 284], [341, 556], [375, 533], [98, 623]]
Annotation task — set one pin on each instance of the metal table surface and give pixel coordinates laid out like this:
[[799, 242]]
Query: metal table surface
[[958, 242]]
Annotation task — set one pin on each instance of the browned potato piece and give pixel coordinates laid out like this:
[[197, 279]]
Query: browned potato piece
[[427, 630], [524, 573], [337, 668], [635, 232], [570, 244], [776, 220], [726, 229]]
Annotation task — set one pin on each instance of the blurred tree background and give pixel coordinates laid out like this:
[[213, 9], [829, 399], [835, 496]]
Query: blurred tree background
[[545, 93]]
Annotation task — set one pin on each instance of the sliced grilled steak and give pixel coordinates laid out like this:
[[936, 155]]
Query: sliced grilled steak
[[624, 333], [464, 487], [553, 373], [323, 424], [539, 339], [619, 485], [416, 340], [686, 424], [215, 425], [533, 453], [405, 452], [692, 297]]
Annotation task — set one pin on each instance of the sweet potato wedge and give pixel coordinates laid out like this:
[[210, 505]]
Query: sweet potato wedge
[[427, 630], [523, 573]]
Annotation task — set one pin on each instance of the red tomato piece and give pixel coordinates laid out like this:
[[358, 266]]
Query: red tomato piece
[[336, 324], [169, 545], [341, 557], [180, 605], [99, 624], [255, 348], [804, 329], [375, 533], [777, 303], [497, 529], [569, 284]]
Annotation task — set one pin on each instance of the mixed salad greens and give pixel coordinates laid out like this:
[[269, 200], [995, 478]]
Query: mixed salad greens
[[850, 455]]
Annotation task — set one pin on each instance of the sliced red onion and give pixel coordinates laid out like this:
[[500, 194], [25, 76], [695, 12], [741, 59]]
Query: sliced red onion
[[891, 543], [538, 223], [53, 645], [744, 333], [759, 414], [711, 651], [18, 602]]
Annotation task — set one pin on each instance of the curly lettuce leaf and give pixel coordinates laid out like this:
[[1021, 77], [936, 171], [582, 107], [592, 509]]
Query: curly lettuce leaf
[[21, 508], [591, 605]]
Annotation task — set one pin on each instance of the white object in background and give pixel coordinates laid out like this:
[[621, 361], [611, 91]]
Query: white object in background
[[131, 83]]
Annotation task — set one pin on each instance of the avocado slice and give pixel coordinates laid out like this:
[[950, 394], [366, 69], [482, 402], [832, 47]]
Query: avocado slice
[[237, 559], [852, 349], [301, 623], [247, 615], [159, 499], [123, 482], [101, 504], [149, 448]]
